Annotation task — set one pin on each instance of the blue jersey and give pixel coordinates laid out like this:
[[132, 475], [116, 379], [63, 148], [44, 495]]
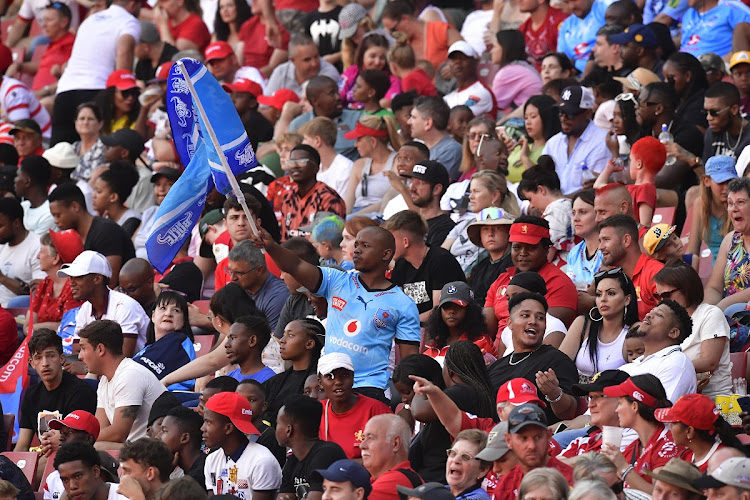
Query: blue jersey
[[167, 354], [260, 376], [580, 269], [672, 8], [363, 324], [576, 37], [712, 30]]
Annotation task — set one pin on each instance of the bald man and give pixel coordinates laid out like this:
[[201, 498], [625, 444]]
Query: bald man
[[385, 455], [613, 199], [366, 312], [721, 455], [137, 281]]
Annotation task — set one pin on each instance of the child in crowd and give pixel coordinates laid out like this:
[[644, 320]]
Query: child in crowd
[[403, 64], [326, 236], [277, 187], [633, 347], [334, 169], [662, 243], [313, 390], [252, 390], [215, 386], [458, 122], [370, 88]]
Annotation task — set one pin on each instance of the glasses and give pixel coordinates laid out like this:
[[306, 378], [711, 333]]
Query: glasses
[[627, 97], [739, 204], [463, 457], [492, 213], [665, 295], [301, 162], [646, 104], [612, 272], [238, 274], [131, 289], [715, 112], [474, 136], [595, 399], [570, 116]]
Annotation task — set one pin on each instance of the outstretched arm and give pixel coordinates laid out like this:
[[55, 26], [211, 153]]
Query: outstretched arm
[[443, 407], [305, 273]]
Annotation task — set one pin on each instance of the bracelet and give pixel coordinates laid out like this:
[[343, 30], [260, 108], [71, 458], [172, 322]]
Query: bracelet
[[625, 472], [557, 399]]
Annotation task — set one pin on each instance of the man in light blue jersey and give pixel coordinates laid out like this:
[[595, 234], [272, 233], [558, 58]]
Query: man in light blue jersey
[[577, 34], [366, 312], [718, 26]]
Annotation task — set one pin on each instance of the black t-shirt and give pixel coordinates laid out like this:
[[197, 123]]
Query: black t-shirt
[[299, 477], [108, 238], [143, 69], [484, 273], [281, 386], [72, 394], [323, 28], [438, 228], [526, 365], [690, 110], [197, 470], [722, 143], [10, 472], [295, 307], [438, 268], [258, 129], [267, 438], [427, 454]]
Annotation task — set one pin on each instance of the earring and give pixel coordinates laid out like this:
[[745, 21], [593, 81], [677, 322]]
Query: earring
[[591, 314]]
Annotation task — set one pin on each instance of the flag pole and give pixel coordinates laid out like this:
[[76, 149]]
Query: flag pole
[[215, 141]]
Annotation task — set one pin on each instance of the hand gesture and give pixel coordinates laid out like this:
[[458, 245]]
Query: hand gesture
[[612, 143], [548, 384], [423, 386], [262, 239], [130, 488]]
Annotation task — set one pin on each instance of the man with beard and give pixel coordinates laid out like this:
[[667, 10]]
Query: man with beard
[[18, 250], [618, 242], [580, 143], [428, 182]]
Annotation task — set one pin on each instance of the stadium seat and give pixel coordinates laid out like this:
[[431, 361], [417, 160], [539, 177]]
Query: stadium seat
[[26, 461]]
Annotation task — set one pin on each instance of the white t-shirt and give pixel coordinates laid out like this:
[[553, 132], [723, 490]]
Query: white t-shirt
[[53, 488], [709, 322], [33, 9], [39, 219], [553, 325], [559, 214], [256, 469], [20, 262], [132, 385], [122, 309], [473, 29], [396, 205], [337, 175], [18, 102], [95, 49], [476, 96], [671, 366]]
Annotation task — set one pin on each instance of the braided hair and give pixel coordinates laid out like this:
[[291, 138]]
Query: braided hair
[[465, 360]]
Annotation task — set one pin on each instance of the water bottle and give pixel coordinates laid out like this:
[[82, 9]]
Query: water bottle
[[665, 138], [586, 174]]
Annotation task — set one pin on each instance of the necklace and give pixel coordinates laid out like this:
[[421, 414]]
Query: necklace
[[739, 136], [528, 355]]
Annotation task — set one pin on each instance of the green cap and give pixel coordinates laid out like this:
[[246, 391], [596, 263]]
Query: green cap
[[211, 218]]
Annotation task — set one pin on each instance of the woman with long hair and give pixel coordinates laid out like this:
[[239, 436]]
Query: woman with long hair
[[625, 130], [541, 122], [169, 339], [181, 24], [119, 102], [585, 258], [517, 79], [638, 399], [230, 16], [377, 140], [595, 340], [686, 74], [371, 54], [696, 425], [351, 39], [90, 148], [467, 385]]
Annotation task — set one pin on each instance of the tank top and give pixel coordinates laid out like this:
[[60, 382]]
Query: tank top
[[715, 237], [377, 184], [608, 357], [737, 270]]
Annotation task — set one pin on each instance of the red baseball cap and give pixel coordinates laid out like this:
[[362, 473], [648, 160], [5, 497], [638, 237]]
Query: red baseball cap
[[217, 50], [525, 232], [122, 79], [518, 391], [162, 73], [79, 420], [278, 98], [236, 408], [6, 58], [244, 85], [68, 244], [629, 389], [694, 410]]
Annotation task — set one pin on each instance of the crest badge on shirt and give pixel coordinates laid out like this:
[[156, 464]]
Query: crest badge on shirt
[[383, 318]]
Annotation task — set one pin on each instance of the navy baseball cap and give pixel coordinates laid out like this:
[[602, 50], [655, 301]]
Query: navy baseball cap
[[638, 33], [348, 470]]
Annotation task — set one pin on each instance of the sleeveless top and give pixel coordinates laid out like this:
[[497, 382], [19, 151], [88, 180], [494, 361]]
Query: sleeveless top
[[715, 238], [580, 268], [737, 270], [377, 184], [608, 357]]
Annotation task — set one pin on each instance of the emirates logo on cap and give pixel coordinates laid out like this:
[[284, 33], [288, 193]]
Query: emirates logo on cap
[[128, 76], [247, 412], [212, 49]]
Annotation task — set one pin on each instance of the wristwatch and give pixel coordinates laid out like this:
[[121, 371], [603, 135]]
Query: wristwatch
[[697, 162]]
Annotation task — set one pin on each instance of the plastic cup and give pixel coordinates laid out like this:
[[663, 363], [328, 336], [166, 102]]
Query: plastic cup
[[612, 436]]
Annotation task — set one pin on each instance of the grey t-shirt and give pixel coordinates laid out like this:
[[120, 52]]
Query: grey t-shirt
[[448, 152]]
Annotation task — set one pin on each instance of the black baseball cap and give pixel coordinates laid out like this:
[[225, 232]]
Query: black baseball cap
[[127, 138], [170, 173], [575, 99], [525, 415], [431, 171], [607, 378]]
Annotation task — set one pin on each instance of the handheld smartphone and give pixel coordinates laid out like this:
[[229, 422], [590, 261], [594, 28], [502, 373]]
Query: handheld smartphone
[[744, 403]]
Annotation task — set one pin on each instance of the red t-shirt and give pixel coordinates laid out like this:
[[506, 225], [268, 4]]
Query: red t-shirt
[[507, 487], [8, 336], [643, 193], [346, 429], [544, 40], [58, 52], [256, 52], [297, 212], [303, 5], [221, 278], [275, 193], [643, 280], [483, 342], [584, 444], [419, 81], [49, 308], [384, 487], [561, 292], [659, 450], [192, 28], [703, 464]]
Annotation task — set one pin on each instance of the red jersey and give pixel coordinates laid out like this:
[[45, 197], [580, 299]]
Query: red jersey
[[703, 464], [384, 487], [592, 441], [507, 487], [643, 193], [49, 308], [276, 190], [58, 52], [418, 81], [643, 280], [192, 28], [346, 429], [256, 52], [542, 41], [658, 451], [299, 211], [561, 292], [484, 343]]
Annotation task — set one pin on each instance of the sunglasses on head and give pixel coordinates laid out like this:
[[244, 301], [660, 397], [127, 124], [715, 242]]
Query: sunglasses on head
[[627, 97], [611, 272]]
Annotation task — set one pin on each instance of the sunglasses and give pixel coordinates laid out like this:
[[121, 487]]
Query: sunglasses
[[665, 295], [492, 213], [715, 112], [570, 116], [364, 185], [627, 97], [524, 415], [134, 93]]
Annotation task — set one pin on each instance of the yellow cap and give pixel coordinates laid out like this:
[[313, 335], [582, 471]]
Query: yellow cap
[[656, 237], [741, 57]]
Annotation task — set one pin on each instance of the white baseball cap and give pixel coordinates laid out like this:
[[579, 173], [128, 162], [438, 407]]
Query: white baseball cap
[[333, 361], [463, 47], [88, 262]]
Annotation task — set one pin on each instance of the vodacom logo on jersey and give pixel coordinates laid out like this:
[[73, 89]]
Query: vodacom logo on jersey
[[352, 328]]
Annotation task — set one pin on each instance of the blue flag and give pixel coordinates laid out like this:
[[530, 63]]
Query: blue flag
[[181, 209]]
